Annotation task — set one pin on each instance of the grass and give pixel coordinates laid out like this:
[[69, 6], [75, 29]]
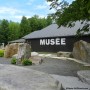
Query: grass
[[1, 52]]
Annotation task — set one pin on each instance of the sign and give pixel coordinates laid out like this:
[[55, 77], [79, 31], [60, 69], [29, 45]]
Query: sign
[[57, 41]]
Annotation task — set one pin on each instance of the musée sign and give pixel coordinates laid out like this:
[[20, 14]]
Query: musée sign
[[57, 41]]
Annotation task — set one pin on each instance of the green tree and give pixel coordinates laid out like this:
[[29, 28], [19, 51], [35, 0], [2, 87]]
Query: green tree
[[66, 14], [49, 20], [14, 31], [24, 27], [33, 22], [4, 29], [37, 23]]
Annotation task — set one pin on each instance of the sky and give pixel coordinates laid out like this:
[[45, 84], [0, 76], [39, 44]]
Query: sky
[[14, 9]]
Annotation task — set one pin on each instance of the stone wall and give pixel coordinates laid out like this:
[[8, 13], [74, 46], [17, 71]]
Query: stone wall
[[81, 51]]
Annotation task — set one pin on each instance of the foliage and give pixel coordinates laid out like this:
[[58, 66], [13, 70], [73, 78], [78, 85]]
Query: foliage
[[10, 30], [26, 62], [13, 61], [66, 14], [1, 53], [14, 31], [37, 23], [24, 26], [4, 28]]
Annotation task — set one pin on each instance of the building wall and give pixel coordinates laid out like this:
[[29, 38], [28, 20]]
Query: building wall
[[35, 44]]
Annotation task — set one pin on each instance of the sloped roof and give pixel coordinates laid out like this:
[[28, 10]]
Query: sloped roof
[[53, 31], [18, 41]]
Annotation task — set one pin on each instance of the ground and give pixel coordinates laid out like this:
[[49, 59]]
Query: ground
[[54, 66]]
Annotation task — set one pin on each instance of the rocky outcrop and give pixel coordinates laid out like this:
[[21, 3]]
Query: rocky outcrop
[[81, 51], [20, 78], [10, 50], [24, 51], [18, 50]]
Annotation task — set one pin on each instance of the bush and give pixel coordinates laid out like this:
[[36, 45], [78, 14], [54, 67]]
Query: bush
[[1, 53], [13, 61], [26, 62]]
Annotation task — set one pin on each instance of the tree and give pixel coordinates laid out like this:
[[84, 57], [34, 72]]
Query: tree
[[14, 31], [24, 27], [49, 20], [4, 29], [66, 14], [33, 22]]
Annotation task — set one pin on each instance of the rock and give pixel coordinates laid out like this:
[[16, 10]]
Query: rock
[[34, 54], [84, 75], [63, 54], [20, 78], [36, 60], [24, 51], [81, 51], [71, 83], [10, 50]]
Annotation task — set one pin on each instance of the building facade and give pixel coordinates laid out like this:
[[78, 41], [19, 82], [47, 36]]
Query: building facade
[[54, 39]]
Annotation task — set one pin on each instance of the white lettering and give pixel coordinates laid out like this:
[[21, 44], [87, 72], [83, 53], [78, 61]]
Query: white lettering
[[42, 41], [57, 41], [47, 41], [52, 42], [63, 41]]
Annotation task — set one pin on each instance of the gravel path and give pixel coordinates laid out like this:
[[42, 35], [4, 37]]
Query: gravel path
[[59, 67], [5, 60], [53, 66]]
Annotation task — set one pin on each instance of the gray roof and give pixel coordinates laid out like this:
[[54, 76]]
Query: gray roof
[[53, 31], [18, 41]]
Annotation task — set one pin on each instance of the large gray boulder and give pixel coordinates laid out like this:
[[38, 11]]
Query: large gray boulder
[[24, 51], [20, 78], [81, 51]]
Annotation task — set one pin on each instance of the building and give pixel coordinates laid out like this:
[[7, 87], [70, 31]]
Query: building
[[54, 39]]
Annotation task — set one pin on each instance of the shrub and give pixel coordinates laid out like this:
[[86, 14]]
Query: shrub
[[26, 62], [13, 61], [1, 53]]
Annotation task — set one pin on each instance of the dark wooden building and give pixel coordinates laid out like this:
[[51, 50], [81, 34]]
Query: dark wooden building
[[54, 39]]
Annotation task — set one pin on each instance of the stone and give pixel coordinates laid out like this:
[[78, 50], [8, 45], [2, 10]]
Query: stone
[[71, 83], [20, 78], [63, 54], [36, 60], [24, 51], [34, 54], [10, 50], [81, 51], [84, 75]]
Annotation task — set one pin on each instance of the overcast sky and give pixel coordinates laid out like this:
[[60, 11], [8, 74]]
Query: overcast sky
[[15, 9]]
